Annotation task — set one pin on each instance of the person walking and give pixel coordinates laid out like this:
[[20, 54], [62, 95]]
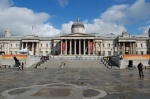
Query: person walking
[[140, 68], [64, 63], [22, 65]]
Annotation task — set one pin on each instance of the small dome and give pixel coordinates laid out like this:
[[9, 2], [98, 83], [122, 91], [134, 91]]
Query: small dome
[[77, 24]]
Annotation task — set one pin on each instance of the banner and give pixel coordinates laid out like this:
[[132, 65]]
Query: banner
[[11, 56], [136, 57], [63, 46], [91, 46]]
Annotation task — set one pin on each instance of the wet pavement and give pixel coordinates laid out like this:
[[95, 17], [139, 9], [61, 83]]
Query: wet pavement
[[74, 83]]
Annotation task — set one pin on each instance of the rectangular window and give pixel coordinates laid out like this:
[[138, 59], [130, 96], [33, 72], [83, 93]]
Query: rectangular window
[[109, 53], [103, 45], [141, 45], [103, 52], [10, 52], [147, 52], [141, 52], [108, 45], [136, 52], [15, 52], [115, 52]]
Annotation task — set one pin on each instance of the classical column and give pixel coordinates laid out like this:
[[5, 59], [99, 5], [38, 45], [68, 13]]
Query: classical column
[[130, 48], [66, 46], [37, 48], [74, 47], [134, 49], [70, 47], [79, 47], [123, 48], [118, 50], [8, 48], [93, 47], [84, 46], [88, 47], [101, 47], [61, 47], [33, 48]]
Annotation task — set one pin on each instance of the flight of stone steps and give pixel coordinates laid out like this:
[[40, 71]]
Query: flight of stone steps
[[72, 63]]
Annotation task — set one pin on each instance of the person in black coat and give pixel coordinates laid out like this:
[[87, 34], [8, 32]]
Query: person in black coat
[[17, 63], [140, 68]]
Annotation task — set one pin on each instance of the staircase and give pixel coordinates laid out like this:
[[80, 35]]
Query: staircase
[[72, 64]]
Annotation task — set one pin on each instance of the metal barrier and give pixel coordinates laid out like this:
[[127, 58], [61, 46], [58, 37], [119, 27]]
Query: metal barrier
[[75, 57]]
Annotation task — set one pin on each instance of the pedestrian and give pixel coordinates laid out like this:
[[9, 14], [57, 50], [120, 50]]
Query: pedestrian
[[64, 63], [22, 65], [140, 68]]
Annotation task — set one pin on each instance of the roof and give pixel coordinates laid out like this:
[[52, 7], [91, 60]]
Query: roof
[[77, 23]]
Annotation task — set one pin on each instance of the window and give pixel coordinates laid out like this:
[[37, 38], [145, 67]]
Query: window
[[141, 52], [41, 45], [109, 53], [108, 45], [120, 52], [103, 45], [103, 52], [15, 52], [147, 52], [46, 52], [11, 45], [141, 45], [41, 53], [115, 45], [10, 52], [16, 45], [136, 52], [115, 52], [136, 45], [46, 45]]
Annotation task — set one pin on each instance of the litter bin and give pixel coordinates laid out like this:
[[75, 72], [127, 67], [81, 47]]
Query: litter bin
[[130, 65]]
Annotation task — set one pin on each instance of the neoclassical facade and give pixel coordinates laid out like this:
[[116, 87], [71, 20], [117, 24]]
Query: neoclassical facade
[[77, 43]]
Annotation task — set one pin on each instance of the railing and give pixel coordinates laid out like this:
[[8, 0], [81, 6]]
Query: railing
[[75, 57]]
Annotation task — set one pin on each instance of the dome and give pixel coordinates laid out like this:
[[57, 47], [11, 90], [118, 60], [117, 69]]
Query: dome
[[77, 24]]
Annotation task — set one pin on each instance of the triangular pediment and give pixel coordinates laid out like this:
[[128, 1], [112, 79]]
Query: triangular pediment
[[78, 35]]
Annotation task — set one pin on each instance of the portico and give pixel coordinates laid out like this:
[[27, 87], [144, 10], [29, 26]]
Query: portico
[[31, 45], [77, 44]]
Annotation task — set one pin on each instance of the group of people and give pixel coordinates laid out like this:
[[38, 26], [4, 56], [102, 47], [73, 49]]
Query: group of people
[[106, 59]]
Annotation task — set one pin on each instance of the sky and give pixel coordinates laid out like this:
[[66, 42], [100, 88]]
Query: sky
[[55, 17]]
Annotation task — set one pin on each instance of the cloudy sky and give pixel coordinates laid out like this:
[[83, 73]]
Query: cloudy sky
[[55, 17]]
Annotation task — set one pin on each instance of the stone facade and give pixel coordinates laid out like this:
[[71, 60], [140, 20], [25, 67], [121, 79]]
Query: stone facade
[[77, 43]]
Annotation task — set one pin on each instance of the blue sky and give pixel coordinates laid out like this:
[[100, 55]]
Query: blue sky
[[55, 17]]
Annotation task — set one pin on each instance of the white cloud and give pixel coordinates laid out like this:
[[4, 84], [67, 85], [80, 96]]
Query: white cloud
[[102, 27], [124, 13], [145, 29], [63, 3], [20, 20], [66, 27]]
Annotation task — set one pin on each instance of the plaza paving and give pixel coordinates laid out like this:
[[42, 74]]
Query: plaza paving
[[71, 82]]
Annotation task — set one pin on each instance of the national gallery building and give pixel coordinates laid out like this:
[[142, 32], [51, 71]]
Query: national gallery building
[[77, 43]]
